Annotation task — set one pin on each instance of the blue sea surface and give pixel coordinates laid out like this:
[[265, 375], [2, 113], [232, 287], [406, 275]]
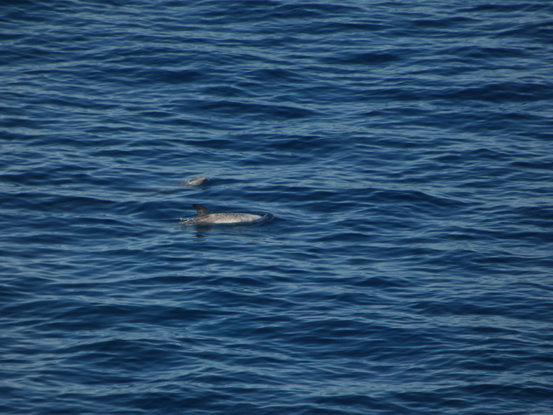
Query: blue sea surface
[[403, 149]]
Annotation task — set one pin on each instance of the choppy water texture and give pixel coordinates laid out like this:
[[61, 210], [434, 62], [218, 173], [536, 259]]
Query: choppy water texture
[[404, 149]]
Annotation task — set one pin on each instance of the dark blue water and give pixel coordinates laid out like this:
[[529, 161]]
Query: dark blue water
[[405, 150]]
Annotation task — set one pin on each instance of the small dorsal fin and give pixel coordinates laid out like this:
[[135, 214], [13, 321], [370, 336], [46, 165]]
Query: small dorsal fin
[[202, 211]]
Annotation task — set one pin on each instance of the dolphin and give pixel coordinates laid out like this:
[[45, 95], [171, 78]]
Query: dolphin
[[205, 217], [196, 181]]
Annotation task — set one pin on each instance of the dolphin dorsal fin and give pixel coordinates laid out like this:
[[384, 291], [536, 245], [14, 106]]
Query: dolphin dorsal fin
[[202, 211]]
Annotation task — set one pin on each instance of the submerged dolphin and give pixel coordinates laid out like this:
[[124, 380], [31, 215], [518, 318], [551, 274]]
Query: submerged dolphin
[[196, 181], [205, 217]]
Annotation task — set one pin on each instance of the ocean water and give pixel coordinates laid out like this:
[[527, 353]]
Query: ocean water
[[403, 149]]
